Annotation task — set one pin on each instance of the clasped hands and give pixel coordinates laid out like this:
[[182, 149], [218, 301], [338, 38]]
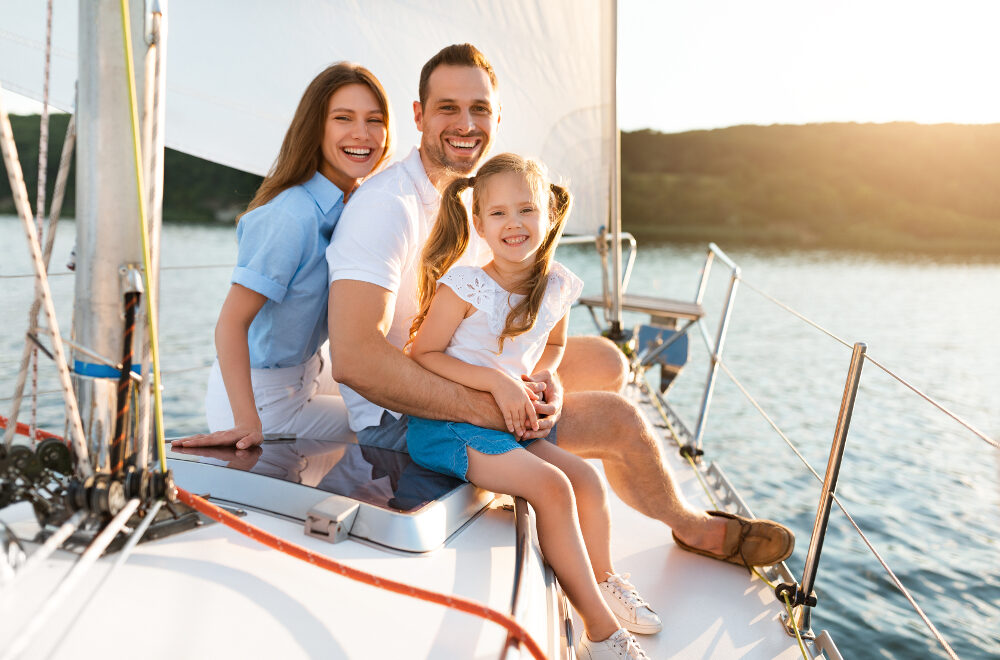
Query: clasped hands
[[530, 406]]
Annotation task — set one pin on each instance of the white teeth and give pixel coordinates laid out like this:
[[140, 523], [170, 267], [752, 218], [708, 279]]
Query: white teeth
[[354, 151], [462, 144], [515, 240]]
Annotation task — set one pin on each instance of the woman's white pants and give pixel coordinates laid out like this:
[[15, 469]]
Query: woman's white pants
[[303, 400]]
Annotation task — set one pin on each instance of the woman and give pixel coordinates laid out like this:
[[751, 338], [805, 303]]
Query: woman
[[269, 375]]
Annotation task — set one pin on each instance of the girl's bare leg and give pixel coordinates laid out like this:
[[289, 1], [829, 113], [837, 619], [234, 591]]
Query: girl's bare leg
[[591, 503], [550, 494]]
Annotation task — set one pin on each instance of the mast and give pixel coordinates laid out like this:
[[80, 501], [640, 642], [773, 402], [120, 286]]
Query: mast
[[616, 180], [108, 248]]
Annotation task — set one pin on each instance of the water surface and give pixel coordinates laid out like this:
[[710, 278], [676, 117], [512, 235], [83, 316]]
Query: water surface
[[925, 491]]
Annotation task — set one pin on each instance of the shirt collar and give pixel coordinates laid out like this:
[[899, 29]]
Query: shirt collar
[[415, 169], [324, 192]]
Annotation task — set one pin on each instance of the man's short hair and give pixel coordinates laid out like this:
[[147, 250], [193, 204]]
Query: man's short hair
[[455, 55]]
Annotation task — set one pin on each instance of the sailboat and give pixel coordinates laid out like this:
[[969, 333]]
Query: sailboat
[[421, 566]]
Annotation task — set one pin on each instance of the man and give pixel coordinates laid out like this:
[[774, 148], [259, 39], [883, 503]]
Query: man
[[374, 258]]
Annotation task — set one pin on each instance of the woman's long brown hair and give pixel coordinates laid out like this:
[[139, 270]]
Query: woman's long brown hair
[[302, 149], [450, 237]]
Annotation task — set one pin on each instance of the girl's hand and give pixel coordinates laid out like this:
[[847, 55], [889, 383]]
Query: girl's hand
[[515, 400]]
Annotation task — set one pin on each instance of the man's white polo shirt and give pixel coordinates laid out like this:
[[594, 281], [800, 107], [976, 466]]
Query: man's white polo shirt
[[378, 240]]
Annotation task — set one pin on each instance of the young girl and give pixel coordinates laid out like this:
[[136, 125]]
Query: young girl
[[269, 375], [487, 328]]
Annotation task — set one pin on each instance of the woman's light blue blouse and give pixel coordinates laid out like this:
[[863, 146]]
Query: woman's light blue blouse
[[282, 255]]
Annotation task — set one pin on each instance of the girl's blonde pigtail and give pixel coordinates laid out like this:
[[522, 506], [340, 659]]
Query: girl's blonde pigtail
[[447, 243]]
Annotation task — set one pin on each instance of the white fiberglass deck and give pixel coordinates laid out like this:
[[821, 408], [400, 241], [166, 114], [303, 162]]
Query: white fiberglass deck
[[211, 592]]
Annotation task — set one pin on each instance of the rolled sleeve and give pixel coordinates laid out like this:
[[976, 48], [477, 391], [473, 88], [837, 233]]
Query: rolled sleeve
[[371, 241], [271, 249], [257, 282]]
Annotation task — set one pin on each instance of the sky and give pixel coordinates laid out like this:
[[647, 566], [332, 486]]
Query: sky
[[696, 64], [690, 64]]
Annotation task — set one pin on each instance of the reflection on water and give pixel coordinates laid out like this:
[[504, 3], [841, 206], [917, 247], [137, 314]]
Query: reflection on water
[[924, 490]]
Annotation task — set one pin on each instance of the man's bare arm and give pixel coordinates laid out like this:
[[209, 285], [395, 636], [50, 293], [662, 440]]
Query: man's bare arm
[[360, 316]]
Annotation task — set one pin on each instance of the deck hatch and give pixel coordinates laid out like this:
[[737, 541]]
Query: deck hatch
[[400, 504]]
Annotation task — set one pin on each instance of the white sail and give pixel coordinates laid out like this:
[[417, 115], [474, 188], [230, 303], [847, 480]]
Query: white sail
[[237, 70]]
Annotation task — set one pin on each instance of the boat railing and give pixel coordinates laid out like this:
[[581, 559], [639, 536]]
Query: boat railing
[[800, 594], [602, 241]]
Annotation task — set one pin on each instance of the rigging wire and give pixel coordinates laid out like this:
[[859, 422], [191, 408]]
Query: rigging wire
[[151, 316], [16, 177], [43, 167], [152, 143]]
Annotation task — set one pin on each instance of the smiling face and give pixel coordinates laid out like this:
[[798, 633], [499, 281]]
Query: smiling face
[[457, 120], [511, 219], [354, 136]]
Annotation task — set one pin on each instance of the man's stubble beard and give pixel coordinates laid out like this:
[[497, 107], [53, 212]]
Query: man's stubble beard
[[451, 170]]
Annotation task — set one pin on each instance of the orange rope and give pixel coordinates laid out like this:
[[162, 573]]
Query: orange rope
[[272, 541], [22, 429], [297, 551]]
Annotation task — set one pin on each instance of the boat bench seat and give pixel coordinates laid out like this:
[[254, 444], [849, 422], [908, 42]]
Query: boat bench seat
[[655, 307]]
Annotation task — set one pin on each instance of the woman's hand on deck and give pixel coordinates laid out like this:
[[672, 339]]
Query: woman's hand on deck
[[241, 437], [240, 459], [516, 401]]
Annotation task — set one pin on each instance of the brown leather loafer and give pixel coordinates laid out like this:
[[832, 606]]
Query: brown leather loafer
[[749, 541]]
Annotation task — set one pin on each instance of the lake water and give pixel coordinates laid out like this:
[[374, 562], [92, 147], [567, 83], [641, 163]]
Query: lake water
[[925, 490]]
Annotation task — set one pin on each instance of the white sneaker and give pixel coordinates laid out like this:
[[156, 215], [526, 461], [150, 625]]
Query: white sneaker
[[632, 611], [620, 645]]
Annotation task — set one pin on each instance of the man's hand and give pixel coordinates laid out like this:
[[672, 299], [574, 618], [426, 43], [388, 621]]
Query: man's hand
[[241, 437], [550, 405], [516, 401]]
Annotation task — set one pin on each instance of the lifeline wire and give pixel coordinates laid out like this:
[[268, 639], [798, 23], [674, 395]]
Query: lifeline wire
[[875, 362], [899, 585], [151, 317], [934, 403]]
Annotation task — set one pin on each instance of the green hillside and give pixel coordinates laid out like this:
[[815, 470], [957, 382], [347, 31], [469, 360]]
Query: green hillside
[[883, 187], [194, 189], [896, 186]]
